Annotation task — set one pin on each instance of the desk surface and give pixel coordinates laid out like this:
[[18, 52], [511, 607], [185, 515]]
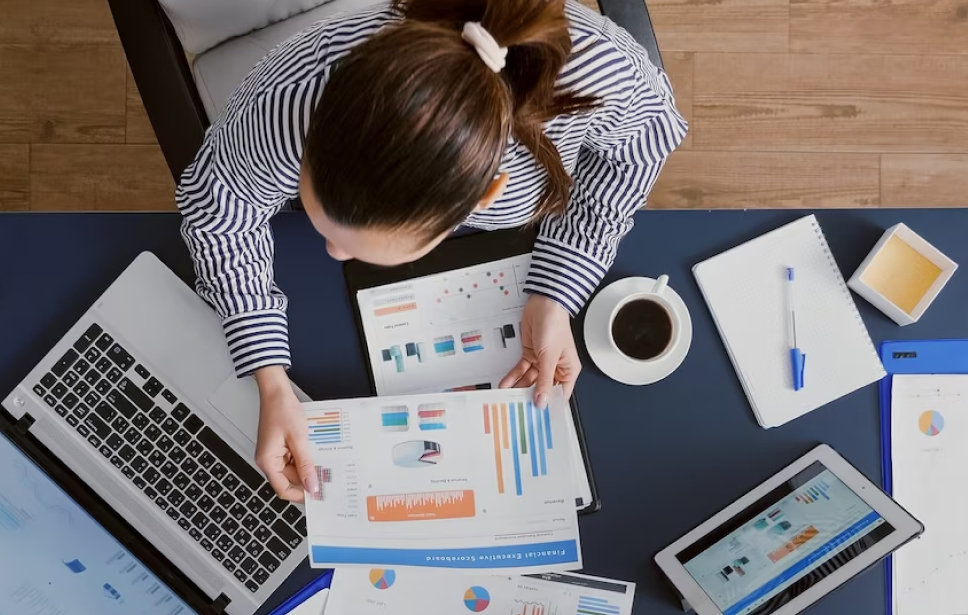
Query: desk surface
[[666, 456]]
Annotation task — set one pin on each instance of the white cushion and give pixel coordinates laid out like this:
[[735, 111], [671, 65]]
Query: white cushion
[[203, 24], [220, 70]]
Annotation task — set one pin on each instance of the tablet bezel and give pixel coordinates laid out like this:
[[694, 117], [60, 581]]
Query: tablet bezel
[[465, 249], [906, 528]]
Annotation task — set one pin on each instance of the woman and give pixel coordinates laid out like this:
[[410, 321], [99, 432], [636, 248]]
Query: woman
[[397, 125]]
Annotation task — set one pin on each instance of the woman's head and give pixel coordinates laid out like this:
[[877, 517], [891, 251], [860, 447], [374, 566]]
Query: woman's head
[[410, 129]]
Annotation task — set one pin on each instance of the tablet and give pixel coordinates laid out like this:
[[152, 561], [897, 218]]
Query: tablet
[[451, 321], [785, 545]]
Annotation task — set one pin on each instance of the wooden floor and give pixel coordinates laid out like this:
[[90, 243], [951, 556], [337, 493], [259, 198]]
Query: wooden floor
[[792, 103]]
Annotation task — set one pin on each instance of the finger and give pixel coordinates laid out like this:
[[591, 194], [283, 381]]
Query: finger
[[547, 365], [517, 372], [302, 460], [281, 483], [296, 491], [571, 375], [528, 379]]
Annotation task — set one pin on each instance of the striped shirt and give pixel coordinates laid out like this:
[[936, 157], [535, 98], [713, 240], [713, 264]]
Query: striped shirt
[[248, 168]]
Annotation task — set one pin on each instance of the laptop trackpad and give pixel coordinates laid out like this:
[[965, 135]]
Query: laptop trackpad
[[238, 401]]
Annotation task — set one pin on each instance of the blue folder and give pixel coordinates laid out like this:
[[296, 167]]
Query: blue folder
[[315, 586], [911, 357]]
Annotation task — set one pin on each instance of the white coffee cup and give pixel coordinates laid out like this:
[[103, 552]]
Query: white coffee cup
[[657, 295]]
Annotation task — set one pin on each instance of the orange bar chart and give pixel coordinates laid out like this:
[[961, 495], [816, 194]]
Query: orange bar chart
[[421, 506]]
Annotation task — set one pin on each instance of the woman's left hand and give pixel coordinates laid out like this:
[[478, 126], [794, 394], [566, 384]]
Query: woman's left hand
[[549, 355]]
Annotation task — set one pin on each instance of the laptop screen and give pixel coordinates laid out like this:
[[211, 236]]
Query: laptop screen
[[55, 559]]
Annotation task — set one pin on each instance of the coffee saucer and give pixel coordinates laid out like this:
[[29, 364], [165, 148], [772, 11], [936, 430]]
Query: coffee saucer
[[609, 360]]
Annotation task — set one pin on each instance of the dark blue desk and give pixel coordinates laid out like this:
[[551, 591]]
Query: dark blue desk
[[666, 456]]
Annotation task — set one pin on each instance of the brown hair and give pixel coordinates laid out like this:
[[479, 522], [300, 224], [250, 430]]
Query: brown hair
[[411, 127]]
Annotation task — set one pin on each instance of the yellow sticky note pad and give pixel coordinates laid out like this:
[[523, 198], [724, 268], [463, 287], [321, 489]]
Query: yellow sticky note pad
[[901, 274]]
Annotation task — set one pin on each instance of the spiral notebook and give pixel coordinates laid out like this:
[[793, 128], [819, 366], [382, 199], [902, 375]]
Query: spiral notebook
[[744, 288]]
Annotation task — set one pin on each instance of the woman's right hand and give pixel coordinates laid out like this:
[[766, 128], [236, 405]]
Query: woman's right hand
[[283, 451]]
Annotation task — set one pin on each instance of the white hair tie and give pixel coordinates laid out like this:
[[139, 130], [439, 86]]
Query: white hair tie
[[493, 54]]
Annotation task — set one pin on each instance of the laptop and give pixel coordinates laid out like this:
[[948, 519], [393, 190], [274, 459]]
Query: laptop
[[140, 400]]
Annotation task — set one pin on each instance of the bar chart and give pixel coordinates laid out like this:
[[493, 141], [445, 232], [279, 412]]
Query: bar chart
[[522, 432], [814, 493], [593, 605], [325, 427]]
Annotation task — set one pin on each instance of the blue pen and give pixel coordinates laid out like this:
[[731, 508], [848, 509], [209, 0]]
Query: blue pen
[[798, 360]]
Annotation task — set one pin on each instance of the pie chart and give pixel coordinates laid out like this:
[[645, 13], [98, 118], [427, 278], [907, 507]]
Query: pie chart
[[476, 599], [931, 423], [382, 579]]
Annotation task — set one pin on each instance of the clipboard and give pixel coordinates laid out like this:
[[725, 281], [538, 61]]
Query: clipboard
[[462, 250], [910, 357], [315, 586]]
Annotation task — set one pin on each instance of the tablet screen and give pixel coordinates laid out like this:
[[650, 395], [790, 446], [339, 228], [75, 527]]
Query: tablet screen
[[779, 547]]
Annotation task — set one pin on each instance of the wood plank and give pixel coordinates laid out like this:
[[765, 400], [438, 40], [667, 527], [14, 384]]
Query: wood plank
[[99, 177], [57, 21], [138, 126], [831, 102], [61, 93], [924, 180], [713, 180], [14, 177], [679, 67], [721, 25], [879, 26]]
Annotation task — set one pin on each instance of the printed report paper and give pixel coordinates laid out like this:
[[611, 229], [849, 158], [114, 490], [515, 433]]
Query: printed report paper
[[477, 480], [454, 331], [361, 591]]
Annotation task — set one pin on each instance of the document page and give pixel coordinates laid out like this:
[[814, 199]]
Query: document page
[[418, 592], [454, 331], [476, 480], [929, 455]]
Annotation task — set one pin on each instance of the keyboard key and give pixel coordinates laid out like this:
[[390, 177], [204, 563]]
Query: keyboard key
[[128, 472], [194, 449], [180, 412], [184, 524], [104, 342], [250, 522], [169, 396], [230, 526], [173, 513], [117, 462], [291, 514], [266, 492], [114, 374], [120, 425], [165, 443], [267, 516], [150, 492], [189, 466], [92, 376], [241, 537], [104, 365], [182, 437], [231, 482], [61, 410], [262, 534], [70, 379], [193, 424], [169, 469], [127, 453], [218, 555], [99, 427], [212, 531], [81, 388], [230, 458], [39, 390], [253, 586], [188, 509], [120, 403], [176, 497], [240, 575], [105, 411], [255, 505], [157, 458], [152, 432], [94, 441], [162, 503], [139, 464], [214, 488], [278, 548], [177, 455], [48, 380], [140, 420], [195, 534], [65, 362], [224, 542], [115, 441], [92, 399], [237, 511], [81, 366], [226, 501], [237, 554], [152, 387], [105, 451], [59, 390], [81, 411], [72, 420], [83, 430], [248, 565], [164, 487], [132, 436], [300, 526], [260, 577], [208, 460], [151, 475], [87, 338], [182, 481], [142, 371], [201, 477], [49, 400], [157, 415], [207, 544], [120, 357], [243, 493], [218, 514], [204, 502], [169, 426], [254, 548], [218, 471], [92, 355], [139, 482], [135, 394], [286, 533], [200, 520], [278, 504], [145, 447]]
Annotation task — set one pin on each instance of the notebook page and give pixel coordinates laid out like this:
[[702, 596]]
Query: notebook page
[[744, 288]]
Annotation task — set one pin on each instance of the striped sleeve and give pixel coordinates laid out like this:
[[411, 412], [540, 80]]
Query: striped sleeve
[[632, 133], [231, 245]]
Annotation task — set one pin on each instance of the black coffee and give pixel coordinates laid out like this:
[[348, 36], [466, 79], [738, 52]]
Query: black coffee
[[642, 329]]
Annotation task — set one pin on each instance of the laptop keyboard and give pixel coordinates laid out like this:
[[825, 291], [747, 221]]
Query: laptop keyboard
[[130, 418]]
